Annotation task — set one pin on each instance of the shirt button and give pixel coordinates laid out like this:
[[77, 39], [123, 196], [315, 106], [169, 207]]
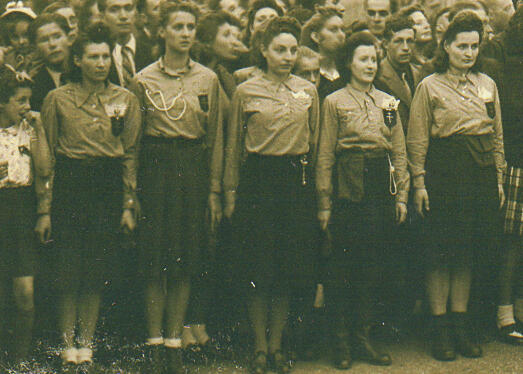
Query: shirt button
[[93, 106]]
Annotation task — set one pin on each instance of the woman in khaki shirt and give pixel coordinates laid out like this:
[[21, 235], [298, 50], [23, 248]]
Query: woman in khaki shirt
[[271, 139], [456, 158], [361, 177]]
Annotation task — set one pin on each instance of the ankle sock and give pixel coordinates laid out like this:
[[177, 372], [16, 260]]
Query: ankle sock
[[188, 337], [154, 341], [173, 343], [200, 333], [84, 355], [505, 315], [70, 355]]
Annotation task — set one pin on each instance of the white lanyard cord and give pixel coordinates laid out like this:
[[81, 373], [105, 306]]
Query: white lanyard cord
[[166, 109], [393, 189]]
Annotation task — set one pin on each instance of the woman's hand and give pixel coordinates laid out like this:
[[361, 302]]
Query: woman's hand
[[421, 201], [501, 194], [215, 207], [324, 217], [43, 228], [128, 223], [401, 213], [230, 204]]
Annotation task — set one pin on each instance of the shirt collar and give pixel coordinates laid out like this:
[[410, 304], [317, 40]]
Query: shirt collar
[[131, 44], [81, 95], [359, 96], [331, 77], [186, 69], [290, 82], [458, 80]]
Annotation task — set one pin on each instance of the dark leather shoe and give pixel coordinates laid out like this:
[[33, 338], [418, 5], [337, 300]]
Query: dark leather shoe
[[174, 361], [442, 347], [259, 363], [342, 354], [463, 335], [280, 363], [464, 344], [364, 349]]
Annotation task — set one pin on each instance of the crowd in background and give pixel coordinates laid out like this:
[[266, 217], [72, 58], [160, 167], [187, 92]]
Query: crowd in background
[[270, 161]]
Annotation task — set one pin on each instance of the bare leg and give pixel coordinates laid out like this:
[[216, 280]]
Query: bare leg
[[67, 317], [438, 283], [88, 308], [279, 316], [177, 301], [154, 308], [23, 288], [258, 308], [460, 281]]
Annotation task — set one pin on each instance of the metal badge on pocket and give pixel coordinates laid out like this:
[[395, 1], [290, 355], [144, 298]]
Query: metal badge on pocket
[[491, 109], [117, 125], [390, 117], [204, 102]]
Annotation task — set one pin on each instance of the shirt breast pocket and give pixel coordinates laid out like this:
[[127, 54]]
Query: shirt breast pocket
[[347, 116]]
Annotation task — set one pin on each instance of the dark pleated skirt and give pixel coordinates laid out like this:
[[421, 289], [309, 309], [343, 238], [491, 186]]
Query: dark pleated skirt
[[174, 183], [86, 213], [464, 202], [275, 226], [17, 240]]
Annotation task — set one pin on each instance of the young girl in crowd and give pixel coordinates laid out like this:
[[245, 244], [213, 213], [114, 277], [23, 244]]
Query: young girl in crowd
[[455, 146], [15, 22], [362, 184], [24, 162], [272, 136], [92, 127], [180, 178]]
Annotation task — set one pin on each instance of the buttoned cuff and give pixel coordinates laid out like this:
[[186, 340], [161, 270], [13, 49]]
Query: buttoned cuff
[[418, 181], [324, 202], [402, 197]]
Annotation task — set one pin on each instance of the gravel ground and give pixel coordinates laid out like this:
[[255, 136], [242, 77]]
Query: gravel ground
[[409, 356]]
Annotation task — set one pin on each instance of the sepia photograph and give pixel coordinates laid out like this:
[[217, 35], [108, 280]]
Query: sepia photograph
[[261, 186]]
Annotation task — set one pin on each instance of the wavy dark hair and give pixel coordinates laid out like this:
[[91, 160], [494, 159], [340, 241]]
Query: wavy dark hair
[[465, 21], [97, 33], [11, 81], [207, 30], [347, 52], [46, 19], [168, 8], [315, 24], [255, 7], [277, 26], [397, 23]]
